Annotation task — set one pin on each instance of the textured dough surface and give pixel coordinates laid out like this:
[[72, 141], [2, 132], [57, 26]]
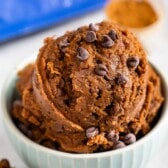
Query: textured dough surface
[[62, 96]]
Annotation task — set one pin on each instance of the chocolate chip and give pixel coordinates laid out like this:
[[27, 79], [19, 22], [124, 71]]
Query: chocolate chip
[[107, 41], [132, 62], [83, 54], [91, 132], [64, 43], [113, 35], [118, 145], [129, 138], [112, 136], [62, 83], [101, 70], [25, 130], [93, 27], [121, 79], [90, 36], [4, 163]]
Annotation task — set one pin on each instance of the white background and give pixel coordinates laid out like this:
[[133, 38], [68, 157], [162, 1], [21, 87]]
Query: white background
[[14, 52]]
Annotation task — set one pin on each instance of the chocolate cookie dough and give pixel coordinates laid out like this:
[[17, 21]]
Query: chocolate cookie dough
[[89, 90]]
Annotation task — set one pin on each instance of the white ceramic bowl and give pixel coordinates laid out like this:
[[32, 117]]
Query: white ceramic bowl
[[36, 156]]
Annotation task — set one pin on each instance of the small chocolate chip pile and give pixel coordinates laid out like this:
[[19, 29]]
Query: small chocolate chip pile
[[90, 90], [4, 163], [116, 140]]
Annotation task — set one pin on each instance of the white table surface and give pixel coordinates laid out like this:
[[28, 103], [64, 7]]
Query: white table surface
[[14, 52]]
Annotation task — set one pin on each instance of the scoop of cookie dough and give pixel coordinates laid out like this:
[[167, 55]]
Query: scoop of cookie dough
[[86, 84]]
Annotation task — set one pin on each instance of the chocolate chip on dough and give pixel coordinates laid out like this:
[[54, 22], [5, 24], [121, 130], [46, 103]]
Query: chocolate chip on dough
[[83, 54]]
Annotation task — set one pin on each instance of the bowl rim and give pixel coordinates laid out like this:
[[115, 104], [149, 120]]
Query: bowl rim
[[7, 120]]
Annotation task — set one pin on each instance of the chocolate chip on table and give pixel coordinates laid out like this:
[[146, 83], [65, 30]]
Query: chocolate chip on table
[[107, 41], [90, 36], [91, 132], [129, 138], [93, 27], [119, 144], [113, 35], [132, 62], [112, 136], [121, 79], [4, 163], [101, 70], [83, 54]]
